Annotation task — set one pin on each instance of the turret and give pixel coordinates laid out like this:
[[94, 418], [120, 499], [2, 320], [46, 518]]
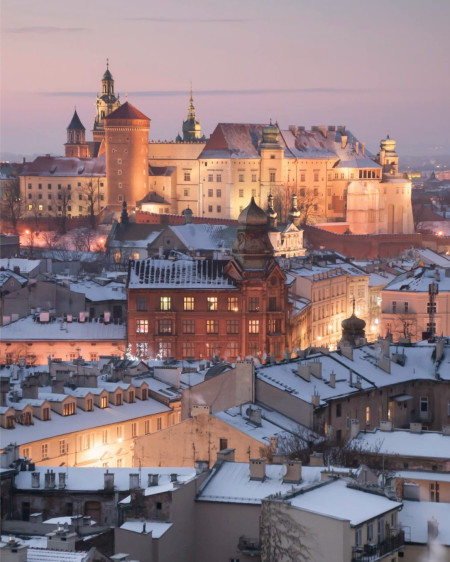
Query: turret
[[271, 213], [76, 138], [192, 130], [107, 102], [294, 212]]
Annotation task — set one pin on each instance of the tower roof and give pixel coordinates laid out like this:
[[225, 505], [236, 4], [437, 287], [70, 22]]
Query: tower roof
[[76, 123], [253, 215], [127, 111]]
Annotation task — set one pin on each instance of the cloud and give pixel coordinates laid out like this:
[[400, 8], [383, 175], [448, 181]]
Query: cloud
[[262, 91], [192, 20], [45, 29]]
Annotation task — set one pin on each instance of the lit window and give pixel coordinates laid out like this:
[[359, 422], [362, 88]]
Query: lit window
[[212, 326], [165, 349], [367, 415], [141, 326], [165, 303], [253, 326], [142, 350], [233, 304], [232, 349], [44, 451], [211, 303], [188, 350], [253, 304], [189, 303]]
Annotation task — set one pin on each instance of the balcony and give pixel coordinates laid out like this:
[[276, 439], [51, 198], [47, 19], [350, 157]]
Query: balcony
[[373, 552], [249, 547]]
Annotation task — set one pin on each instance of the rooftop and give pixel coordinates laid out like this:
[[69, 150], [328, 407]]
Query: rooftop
[[414, 517]]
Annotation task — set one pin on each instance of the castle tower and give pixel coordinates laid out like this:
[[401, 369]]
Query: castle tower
[[106, 103], [271, 213], [126, 139], [76, 139], [272, 155], [387, 156], [192, 130]]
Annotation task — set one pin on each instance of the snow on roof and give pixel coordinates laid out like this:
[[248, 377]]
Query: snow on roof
[[428, 256], [380, 279], [157, 528], [273, 424], [97, 293], [421, 279], [24, 265], [200, 236], [230, 483], [59, 425], [414, 517], [194, 274], [44, 555], [60, 166], [28, 329], [61, 520], [423, 475], [402, 442], [6, 275], [82, 478], [336, 500]]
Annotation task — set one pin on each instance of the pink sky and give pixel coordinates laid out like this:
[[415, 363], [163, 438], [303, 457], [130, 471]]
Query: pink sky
[[372, 66]]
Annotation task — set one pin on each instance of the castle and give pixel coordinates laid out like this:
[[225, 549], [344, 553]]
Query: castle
[[336, 179]]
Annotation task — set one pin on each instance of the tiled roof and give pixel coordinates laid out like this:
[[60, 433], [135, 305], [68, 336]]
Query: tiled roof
[[126, 111], [59, 166]]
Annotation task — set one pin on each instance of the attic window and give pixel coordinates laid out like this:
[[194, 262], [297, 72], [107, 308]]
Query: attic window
[[53, 169], [81, 169]]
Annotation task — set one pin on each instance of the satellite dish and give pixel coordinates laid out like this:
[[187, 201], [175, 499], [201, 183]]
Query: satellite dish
[[283, 470]]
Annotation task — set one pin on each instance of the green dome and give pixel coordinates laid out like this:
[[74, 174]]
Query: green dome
[[253, 215]]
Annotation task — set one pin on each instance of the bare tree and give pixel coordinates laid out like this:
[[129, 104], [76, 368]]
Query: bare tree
[[83, 239], [63, 200], [89, 190], [12, 202], [308, 206], [282, 538]]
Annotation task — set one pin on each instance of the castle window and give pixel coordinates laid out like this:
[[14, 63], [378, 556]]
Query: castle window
[[253, 304], [49, 207], [253, 177], [79, 184], [302, 192], [69, 208], [394, 307], [211, 303], [41, 208], [189, 303], [187, 176], [40, 186], [232, 349], [210, 209], [210, 177], [241, 177], [253, 348], [302, 177], [187, 350], [69, 187], [253, 326], [316, 176], [29, 186], [233, 304], [40, 196], [218, 193], [210, 192], [49, 186], [80, 209], [272, 156], [164, 349], [272, 176], [219, 177], [165, 326], [186, 192], [80, 197], [253, 192], [120, 198], [30, 196], [241, 193]]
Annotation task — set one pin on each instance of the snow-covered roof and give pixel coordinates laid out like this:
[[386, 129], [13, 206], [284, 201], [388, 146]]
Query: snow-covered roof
[[273, 424], [423, 475], [335, 499], [28, 329], [429, 257], [428, 444], [59, 425], [60, 166], [25, 265], [157, 528], [86, 478], [6, 275], [97, 293], [165, 273], [420, 280], [380, 279], [200, 236], [230, 483], [414, 518]]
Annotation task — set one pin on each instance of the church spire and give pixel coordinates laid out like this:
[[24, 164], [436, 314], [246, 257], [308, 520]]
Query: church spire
[[191, 127], [107, 102]]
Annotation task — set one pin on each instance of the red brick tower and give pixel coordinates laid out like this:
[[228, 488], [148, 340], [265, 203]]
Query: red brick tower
[[126, 137]]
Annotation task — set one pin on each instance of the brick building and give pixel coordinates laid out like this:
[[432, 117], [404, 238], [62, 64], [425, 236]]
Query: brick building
[[204, 308]]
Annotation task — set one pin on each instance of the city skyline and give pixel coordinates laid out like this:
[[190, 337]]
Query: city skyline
[[374, 68]]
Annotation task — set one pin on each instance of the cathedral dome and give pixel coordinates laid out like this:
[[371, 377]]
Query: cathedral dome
[[270, 134], [253, 215]]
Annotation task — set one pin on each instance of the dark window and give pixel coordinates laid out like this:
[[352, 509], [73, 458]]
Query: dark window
[[338, 410], [223, 444]]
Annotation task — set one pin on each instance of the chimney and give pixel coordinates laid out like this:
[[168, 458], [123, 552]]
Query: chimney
[[357, 147], [30, 388], [446, 429], [226, 455], [35, 479], [58, 387], [254, 415], [415, 427], [86, 521], [198, 409], [153, 480], [292, 472], [354, 428], [303, 372], [201, 466], [50, 479], [315, 400], [108, 481], [343, 141], [333, 379], [273, 443], [347, 352], [386, 425], [61, 480], [258, 469], [315, 369], [316, 459], [134, 481]]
